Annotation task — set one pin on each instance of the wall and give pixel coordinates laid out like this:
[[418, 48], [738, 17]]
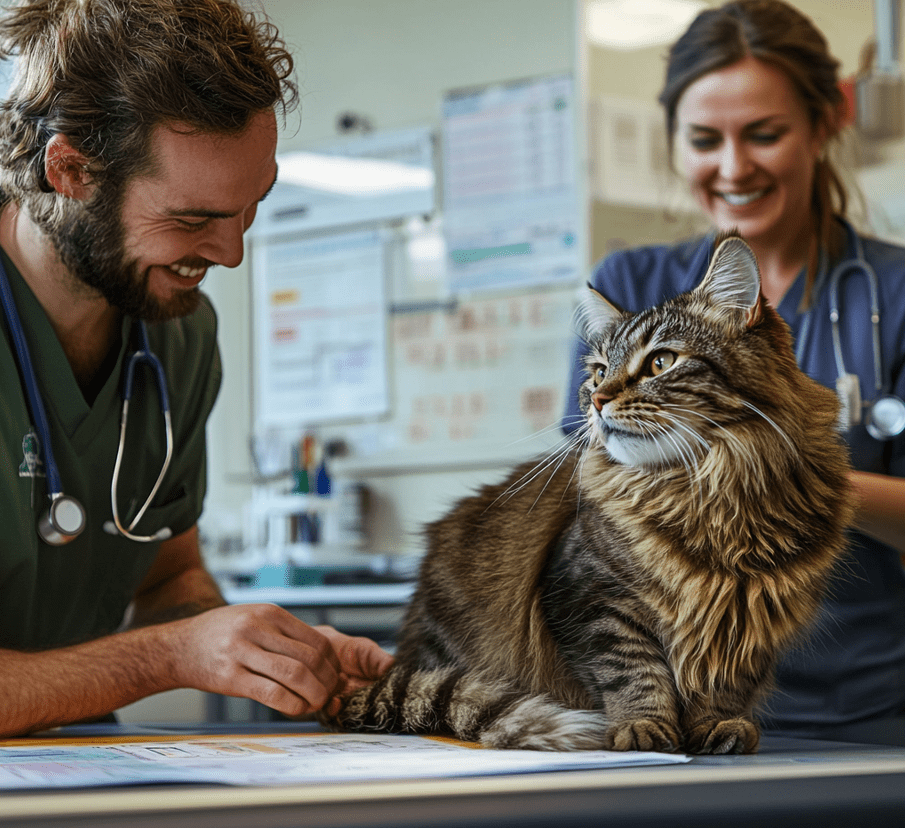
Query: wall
[[390, 61]]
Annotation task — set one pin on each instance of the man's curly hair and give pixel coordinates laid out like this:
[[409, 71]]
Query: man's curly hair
[[105, 73]]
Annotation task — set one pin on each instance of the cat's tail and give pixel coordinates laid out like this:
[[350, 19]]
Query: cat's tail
[[455, 703]]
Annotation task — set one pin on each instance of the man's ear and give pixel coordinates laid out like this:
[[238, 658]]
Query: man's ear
[[66, 169]]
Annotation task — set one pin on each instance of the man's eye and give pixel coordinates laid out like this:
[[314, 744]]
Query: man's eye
[[188, 224]]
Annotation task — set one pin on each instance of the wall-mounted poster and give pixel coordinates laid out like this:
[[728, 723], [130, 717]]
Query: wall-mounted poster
[[512, 211], [320, 338]]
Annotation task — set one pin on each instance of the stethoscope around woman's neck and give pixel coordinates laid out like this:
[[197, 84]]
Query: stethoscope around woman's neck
[[884, 414], [64, 519]]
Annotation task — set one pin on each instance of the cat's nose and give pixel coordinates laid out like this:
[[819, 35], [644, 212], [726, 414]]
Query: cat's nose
[[599, 399]]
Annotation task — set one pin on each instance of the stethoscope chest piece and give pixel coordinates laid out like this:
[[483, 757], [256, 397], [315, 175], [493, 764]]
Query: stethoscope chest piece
[[63, 521], [885, 417]]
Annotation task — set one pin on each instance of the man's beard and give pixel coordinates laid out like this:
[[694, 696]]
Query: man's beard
[[90, 240]]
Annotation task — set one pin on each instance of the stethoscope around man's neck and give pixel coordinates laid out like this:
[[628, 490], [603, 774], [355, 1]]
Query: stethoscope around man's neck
[[884, 414], [64, 519]]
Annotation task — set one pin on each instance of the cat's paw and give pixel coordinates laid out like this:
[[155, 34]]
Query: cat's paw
[[720, 737], [643, 734]]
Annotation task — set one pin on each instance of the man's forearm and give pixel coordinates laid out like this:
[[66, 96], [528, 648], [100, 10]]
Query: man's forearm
[[54, 687], [189, 593], [178, 585]]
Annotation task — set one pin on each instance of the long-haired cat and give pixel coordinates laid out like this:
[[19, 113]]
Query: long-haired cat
[[634, 592]]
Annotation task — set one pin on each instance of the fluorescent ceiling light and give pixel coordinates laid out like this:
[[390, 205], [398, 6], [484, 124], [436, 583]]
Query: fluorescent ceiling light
[[352, 176], [637, 24]]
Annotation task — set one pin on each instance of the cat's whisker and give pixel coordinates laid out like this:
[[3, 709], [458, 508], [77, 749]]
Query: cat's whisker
[[683, 424], [562, 459], [553, 427], [740, 445], [585, 440], [553, 459], [674, 439], [693, 477], [779, 431], [681, 444], [656, 441]]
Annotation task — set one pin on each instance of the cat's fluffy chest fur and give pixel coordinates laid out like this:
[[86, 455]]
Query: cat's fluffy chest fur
[[635, 591], [726, 584]]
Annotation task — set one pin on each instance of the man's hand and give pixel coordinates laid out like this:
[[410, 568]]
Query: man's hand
[[265, 653], [361, 661]]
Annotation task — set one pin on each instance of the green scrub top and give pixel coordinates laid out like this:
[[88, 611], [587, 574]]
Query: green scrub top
[[52, 596]]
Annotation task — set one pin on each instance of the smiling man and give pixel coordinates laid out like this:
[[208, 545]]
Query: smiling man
[[137, 142]]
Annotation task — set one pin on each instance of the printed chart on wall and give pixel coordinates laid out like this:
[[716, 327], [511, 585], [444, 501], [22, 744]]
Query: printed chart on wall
[[320, 329], [484, 380], [512, 212]]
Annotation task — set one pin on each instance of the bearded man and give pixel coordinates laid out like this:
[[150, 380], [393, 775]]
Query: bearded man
[[135, 146]]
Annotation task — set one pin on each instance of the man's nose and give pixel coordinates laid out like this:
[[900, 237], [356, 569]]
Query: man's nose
[[225, 243]]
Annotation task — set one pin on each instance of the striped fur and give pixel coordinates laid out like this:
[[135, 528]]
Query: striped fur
[[635, 590]]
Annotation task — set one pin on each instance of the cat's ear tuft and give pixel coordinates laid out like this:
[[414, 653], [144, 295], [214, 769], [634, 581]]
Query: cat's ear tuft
[[732, 281], [595, 314]]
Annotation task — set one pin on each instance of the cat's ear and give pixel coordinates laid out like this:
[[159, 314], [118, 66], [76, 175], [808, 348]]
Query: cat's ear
[[595, 314], [732, 281]]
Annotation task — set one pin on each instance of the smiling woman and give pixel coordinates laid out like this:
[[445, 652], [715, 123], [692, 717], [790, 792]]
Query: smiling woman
[[752, 101]]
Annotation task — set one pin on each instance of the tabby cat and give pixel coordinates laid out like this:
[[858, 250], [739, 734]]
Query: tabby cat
[[634, 591]]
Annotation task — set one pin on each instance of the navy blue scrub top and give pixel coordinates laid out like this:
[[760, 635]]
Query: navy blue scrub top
[[852, 667]]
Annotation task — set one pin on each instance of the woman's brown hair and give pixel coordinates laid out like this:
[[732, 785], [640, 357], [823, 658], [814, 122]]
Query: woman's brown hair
[[775, 33]]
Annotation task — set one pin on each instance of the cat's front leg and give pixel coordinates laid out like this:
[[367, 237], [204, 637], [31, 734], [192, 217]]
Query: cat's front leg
[[643, 713], [634, 687]]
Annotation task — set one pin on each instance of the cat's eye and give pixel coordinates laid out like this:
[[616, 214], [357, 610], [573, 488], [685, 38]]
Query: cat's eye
[[660, 362], [600, 373]]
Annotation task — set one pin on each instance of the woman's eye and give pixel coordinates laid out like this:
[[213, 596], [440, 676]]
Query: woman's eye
[[765, 137], [703, 144], [703, 141], [660, 362]]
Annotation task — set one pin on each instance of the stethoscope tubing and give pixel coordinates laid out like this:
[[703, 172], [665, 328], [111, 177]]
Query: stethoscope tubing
[[29, 379], [844, 270], [146, 356]]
